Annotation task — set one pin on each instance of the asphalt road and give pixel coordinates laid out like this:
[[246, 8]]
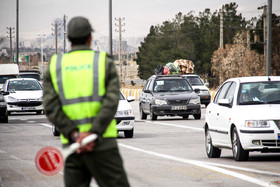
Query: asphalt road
[[167, 152]]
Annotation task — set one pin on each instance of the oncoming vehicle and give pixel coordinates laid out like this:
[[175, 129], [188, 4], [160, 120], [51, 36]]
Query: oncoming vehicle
[[23, 95], [244, 116], [3, 110], [197, 82], [124, 117], [165, 95]]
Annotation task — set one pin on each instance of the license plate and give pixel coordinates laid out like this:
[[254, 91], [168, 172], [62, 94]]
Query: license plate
[[28, 108], [179, 108]]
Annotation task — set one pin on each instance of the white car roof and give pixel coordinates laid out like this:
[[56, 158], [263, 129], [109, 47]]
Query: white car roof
[[255, 79], [16, 79]]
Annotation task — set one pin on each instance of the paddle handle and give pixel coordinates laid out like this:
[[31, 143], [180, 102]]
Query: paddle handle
[[73, 147]]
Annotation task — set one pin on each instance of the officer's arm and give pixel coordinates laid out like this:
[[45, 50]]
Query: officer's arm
[[53, 108], [110, 101]]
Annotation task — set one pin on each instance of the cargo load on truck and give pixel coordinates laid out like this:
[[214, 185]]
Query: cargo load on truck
[[8, 71], [178, 67]]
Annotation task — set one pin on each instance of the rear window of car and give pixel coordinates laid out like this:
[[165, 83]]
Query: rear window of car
[[34, 76], [194, 80], [171, 85]]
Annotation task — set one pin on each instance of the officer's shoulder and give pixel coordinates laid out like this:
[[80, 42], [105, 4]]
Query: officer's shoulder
[[107, 54]]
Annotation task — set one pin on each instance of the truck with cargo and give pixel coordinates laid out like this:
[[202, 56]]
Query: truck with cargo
[[8, 71]]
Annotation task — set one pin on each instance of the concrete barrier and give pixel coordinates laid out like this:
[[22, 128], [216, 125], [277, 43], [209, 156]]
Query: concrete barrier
[[136, 93]]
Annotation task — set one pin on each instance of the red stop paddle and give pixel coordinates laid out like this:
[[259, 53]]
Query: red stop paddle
[[50, 160]]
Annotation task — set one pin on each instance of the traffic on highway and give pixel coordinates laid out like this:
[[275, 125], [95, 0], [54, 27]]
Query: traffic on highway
[[167, 152]]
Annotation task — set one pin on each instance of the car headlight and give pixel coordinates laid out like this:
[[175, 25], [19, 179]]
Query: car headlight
[[39, 99], [203, 92], [257, 124], [160, 102], [12, 98], [195, 101], [124, 113]]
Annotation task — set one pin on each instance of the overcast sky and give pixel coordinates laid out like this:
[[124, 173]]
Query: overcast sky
[[36, 16]]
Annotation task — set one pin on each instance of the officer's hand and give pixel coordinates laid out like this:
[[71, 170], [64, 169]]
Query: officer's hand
[[86, 148]]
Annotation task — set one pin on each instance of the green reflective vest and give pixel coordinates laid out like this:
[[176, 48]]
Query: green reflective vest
[[79, 80]]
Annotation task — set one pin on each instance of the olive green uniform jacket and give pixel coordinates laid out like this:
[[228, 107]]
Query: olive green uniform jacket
[[55, 114]]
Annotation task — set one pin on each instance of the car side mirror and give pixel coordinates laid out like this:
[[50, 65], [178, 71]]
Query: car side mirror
[[224, 102], [147, 91], [130, 98], [197, 90], [5, 93]]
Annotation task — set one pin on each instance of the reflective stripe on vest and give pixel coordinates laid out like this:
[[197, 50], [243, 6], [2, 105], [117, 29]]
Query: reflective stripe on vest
[[81, 109]]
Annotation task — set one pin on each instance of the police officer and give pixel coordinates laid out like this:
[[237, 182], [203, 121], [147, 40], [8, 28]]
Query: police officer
[[81, 94]]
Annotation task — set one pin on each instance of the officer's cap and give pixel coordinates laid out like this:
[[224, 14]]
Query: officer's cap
[[79, 27]]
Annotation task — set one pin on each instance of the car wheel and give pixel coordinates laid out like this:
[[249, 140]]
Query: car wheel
[[129, 133], [142, 114], [152, 115], [185, 116], [211, 151], [55, 131], [197, 116], [239, 154]]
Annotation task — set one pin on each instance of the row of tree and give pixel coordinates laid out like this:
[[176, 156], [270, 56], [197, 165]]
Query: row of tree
[[196, 38]]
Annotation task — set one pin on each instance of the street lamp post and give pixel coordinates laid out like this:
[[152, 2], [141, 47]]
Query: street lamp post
[[42, 59]]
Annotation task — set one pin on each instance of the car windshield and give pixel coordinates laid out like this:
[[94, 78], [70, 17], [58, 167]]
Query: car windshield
[[121, 96], [23, 85], [171, 85], [193, 80], [34, 76], [259, 93]]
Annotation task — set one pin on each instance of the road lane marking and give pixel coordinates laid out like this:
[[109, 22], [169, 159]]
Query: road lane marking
[[180, 126], [1, 151], [211, 166], [45, 125], [201, 164]]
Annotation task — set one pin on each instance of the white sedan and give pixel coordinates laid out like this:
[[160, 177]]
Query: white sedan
[[244, 116], [23, 95], [124, 117]]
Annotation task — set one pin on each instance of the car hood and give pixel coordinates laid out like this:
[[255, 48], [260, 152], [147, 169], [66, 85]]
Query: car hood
[[26, 94], [258, 112], [201, 87], [176, 95], [123, 105]]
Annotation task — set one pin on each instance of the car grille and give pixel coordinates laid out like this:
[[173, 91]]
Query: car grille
[[178, 102], [271, 143], [277, 122]]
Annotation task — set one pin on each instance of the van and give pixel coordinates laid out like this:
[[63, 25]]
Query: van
[[8, 71]]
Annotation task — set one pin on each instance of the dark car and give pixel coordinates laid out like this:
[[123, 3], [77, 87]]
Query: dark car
[[3, 110], [169, 95]]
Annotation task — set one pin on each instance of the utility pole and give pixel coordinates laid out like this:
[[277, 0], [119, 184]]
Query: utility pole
[[110, 29], [11, 32], [64, 34], [221, 28], [55, 34], [17, 27], [269, 35], [42, 59], [120, 41]]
